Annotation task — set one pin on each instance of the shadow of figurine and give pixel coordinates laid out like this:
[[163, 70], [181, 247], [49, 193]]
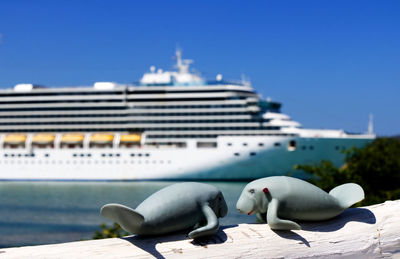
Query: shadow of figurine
[[288, 234], [149, 243], [350, 215], [219, 238]]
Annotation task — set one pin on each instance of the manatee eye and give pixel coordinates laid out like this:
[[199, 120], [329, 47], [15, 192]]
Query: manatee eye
[[251, 191]]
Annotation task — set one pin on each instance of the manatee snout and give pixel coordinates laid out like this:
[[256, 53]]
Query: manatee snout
[[219, 205], [245, 205]]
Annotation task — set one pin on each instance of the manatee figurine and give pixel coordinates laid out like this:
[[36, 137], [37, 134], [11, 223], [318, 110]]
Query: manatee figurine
[[280, 199], [173, 208]]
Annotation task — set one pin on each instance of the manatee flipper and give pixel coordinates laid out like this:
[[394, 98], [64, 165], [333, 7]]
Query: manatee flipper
[[211, 227], [347, 194], [126, 217], [276, 223]]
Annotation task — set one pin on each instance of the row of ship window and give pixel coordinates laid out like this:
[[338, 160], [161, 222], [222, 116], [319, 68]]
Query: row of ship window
[[88, 161], [157, 136], [154, 136], [138, 121], [292, 144], [186, 91], [224, 128], [22, 155], [77, 108], [212, 106], [107, 101], [78, 155], [121, 108], [121, 93], [67, 122], [143, 155], [118, 155], [259, 144], [205, 144], [123, 115], [250, 154], [276, 144], [39, 94]]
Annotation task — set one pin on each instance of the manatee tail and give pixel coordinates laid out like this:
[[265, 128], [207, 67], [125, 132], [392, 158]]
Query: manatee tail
[[126, 217], [348, 194]]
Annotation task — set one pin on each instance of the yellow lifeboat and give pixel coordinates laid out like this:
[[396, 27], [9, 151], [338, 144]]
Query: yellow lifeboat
[[101, 138], [15, 139], [130, 138], [43, 139], [72, 138]]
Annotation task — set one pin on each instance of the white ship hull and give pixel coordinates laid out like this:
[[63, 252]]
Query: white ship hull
[[234, 158]]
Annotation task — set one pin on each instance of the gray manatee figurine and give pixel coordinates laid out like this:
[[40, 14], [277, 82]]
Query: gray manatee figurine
[[280, 199], [173, 208]]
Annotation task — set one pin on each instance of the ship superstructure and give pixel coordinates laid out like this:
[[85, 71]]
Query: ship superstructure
[[172, 125]]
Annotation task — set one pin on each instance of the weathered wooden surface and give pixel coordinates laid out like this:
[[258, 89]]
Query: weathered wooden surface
[[369, 232]]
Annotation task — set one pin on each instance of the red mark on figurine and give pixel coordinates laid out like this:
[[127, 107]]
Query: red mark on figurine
[[265, 190]]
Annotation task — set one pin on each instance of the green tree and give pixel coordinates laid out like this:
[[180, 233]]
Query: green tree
[[109, 232], [376, 167]]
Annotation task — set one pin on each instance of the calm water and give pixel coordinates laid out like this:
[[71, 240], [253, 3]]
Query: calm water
[[34, 213]]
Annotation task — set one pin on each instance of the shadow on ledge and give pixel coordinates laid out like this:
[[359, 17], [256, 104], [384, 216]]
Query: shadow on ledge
[[288, 234], [148, 243], [353, 214]]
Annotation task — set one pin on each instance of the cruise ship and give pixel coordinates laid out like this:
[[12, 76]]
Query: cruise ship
[[169, 125]]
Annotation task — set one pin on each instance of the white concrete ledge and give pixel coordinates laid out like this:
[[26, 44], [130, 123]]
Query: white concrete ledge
[[368, 232]]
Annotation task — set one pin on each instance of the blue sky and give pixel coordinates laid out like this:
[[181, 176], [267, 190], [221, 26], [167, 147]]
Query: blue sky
[[331, 63]]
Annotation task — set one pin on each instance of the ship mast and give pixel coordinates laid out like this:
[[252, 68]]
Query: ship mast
[[182, 64], [371, 124]]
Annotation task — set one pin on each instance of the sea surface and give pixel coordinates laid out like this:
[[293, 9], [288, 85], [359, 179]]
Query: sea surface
[[34, 213]]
